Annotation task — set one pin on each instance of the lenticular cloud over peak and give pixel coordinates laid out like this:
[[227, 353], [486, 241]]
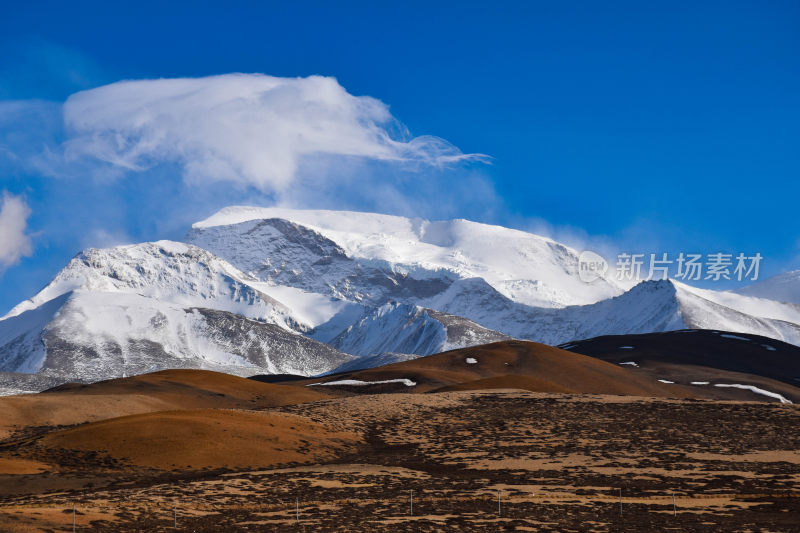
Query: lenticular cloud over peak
[[248, 128]]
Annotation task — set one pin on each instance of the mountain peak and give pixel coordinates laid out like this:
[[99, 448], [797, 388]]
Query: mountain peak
[[524, 267], [165, 270]]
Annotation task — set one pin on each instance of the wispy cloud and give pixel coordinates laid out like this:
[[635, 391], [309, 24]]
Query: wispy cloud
[[251, 129], [15, 243]]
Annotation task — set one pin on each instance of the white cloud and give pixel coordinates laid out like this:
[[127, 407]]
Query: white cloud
[[14, 242], [247, 128]]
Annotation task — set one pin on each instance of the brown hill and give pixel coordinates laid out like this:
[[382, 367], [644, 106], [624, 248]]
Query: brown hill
[[507, 364], [704, 356], [694, 364], [159, 391], [204, 438]]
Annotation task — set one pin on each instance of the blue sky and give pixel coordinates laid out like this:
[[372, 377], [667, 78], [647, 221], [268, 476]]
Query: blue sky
[[615, 125]]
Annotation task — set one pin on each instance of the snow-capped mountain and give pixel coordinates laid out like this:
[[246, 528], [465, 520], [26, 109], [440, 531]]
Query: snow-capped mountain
[[654, 306], [784, 287], [648, 307], [165, 271], [131, 309], [304, 292], [372, 258]]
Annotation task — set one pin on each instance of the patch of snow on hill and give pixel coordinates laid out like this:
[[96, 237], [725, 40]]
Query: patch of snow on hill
[[735, 337], [359, 383], [756, 390]]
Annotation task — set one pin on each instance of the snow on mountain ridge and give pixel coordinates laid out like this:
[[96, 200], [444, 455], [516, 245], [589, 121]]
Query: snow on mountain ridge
[[648, 307], [167, 271], [707, 310], [749, 304], [524, 267]]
